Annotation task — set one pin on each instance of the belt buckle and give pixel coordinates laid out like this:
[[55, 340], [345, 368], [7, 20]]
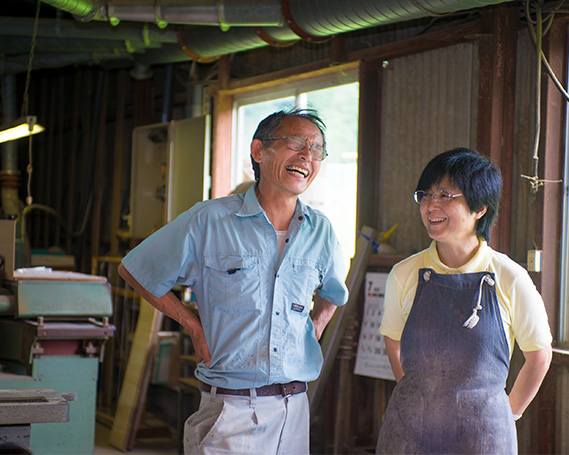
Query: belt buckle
[[284, 391]]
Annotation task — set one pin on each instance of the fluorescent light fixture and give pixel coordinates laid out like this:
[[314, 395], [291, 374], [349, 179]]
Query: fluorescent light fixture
[[21, 127]]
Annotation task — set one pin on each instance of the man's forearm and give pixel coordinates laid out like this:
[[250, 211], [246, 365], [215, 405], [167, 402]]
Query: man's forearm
[[172, 307], [321, 315]]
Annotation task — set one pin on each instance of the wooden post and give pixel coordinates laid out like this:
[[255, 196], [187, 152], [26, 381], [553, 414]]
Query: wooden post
[[333, 334], [496, 95], [136, 379]]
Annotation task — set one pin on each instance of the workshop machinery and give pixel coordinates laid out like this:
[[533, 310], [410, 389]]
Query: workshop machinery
[[53, 329]]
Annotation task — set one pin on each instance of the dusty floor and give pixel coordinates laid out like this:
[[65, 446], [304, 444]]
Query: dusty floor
[[156, 446]]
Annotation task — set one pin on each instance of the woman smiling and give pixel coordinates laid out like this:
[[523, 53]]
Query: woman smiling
[[452, 315]]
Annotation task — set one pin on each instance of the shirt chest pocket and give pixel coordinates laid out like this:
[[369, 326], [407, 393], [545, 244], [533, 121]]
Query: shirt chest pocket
[[305, 278], [233, 282]]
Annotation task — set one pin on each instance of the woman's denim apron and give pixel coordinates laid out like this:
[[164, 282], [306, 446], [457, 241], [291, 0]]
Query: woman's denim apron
[[455, 356]]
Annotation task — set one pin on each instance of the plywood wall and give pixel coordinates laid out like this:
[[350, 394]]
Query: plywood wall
[[429, 105]]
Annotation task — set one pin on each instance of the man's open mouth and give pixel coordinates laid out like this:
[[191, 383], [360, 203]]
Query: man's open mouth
[[297, 170]]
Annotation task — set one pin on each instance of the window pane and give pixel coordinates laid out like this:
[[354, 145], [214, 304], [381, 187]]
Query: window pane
[[334, 190], [248, 117]]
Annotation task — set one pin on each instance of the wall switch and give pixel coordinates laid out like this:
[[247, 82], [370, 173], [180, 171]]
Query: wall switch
[[534, 261]]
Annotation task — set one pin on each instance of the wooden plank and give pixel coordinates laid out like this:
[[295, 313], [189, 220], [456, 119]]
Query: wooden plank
[[8, 248], [335, 329], [118, 163], [135, 383]]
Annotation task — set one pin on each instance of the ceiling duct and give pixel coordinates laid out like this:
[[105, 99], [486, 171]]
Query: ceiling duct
[[210, 28], [225, 13]]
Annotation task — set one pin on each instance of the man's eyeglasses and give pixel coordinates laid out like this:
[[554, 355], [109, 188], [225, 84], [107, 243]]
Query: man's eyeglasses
[[441, 197], [298, 144]]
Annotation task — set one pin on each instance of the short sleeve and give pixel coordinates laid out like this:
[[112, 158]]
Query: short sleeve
[[529, 318], [165, 258], [392, 321]]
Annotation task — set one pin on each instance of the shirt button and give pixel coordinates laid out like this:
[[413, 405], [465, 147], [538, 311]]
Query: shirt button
[[300, 218], [275, 349], [278, 313], [286, 241]]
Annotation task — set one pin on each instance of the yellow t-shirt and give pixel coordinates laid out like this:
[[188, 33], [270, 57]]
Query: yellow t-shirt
[[521, 306]]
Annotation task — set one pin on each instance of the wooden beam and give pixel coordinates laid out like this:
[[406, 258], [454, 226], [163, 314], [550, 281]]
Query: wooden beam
[[421, 43], [435, 40], [222, 132], [549, 225], [551, 154], [221, 146], [294, 74], [369, 141], [496, 95]]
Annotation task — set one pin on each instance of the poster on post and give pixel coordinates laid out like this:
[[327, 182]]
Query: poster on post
[[371, 357]]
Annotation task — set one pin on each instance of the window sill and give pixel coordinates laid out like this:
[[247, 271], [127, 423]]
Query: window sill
[[560, 357]]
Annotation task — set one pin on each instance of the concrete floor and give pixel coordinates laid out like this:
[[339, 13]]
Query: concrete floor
[[156, 446]]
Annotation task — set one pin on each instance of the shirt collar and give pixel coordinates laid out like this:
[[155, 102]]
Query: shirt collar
[[251, 207], [303, 209], [480, 260]]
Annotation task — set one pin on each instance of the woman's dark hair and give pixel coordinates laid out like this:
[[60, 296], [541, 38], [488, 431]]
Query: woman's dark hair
[[479, 180], [270, 125]]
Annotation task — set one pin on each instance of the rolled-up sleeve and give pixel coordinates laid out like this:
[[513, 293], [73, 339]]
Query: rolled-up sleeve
[[333, 286]]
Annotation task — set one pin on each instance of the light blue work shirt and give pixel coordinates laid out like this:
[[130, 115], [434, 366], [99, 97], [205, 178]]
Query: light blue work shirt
[[254, 307]]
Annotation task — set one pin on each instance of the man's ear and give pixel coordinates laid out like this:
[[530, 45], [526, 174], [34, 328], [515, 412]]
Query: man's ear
[[257, 150]]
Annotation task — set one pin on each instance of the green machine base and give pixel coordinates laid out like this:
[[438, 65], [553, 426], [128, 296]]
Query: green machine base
[[64, 374]]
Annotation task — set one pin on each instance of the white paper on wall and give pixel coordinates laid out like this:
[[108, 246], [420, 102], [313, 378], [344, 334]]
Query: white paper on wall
[[371, 357]]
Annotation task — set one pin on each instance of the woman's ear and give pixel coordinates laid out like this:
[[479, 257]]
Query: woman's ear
[[480, 213], [257, 150]]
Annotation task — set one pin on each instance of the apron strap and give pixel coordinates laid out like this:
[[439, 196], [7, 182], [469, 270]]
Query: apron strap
[[471, 322]]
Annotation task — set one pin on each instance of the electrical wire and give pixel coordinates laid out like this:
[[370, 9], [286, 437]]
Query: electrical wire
[[25, 103], [538, 28]]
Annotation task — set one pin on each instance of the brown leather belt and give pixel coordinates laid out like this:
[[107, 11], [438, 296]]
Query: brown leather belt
[[286, 390]]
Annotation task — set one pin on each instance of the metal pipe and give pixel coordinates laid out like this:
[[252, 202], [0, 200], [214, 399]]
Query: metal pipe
[[312, 20], [162, 12], [9, 150], [167, 99], [69, 28], [9, 173]]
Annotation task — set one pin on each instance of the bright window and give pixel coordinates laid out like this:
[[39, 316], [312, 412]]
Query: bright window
[[334, 190]]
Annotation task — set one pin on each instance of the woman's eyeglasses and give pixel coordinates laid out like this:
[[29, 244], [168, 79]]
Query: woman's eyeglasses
[[441, 197]]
